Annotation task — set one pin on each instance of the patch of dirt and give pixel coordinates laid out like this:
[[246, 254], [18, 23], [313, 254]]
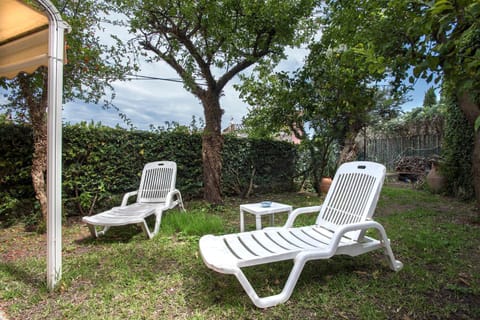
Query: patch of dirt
[[16, 243], [3, 316]]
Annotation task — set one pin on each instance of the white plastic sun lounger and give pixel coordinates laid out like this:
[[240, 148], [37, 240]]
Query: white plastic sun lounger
[[156, 194], [340, 229]]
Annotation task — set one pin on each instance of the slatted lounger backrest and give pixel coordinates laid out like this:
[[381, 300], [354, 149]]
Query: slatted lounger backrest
[[352, 196], [158, 179]]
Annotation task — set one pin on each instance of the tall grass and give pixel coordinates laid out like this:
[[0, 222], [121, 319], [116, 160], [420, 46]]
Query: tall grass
[[192, 223]]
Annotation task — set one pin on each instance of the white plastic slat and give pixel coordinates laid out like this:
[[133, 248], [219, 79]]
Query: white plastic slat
[[305, 239], [237, 248], [348, 199], [320, 238], [323, 232], [253, 245], [351, 196], [158, 179], [135, 208], [329, 234], [290, 238], [274, 236], [364, 197], [267, 242], [357, 189]]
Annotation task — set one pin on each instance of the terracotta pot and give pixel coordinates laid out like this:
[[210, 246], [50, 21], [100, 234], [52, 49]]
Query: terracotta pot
[[435, 180], [325, 184]]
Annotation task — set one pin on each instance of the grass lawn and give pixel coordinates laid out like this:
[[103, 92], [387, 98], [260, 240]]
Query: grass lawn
[[125, 276]]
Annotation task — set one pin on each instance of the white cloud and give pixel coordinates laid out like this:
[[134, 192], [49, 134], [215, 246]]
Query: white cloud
[[154, 102]]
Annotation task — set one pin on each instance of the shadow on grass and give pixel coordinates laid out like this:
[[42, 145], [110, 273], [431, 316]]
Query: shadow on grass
[[21, 275], [216, 290], [118, 234]]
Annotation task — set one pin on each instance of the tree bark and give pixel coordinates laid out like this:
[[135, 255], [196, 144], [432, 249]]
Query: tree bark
[[37, 106], [471, 109], [350, 149], [212, 145]]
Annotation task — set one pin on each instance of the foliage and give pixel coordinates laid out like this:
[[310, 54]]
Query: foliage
[[257, 166], [101, 163], [91, 64], [124, 276], [88, 75], [208, 43], [432, 37], [16, 191], [434, 40], [195, 222], [197, 37], [324, 104], [457, 152], [418, 121], [430, 98]]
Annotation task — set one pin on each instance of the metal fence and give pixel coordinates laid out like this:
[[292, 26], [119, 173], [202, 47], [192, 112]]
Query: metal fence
[[389, 150]]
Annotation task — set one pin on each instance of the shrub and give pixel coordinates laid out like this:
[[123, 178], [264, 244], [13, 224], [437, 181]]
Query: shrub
[[457, 153], [101, 163]]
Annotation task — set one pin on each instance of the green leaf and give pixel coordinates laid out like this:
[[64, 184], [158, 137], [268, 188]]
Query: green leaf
[[417, 71], [477, 123]]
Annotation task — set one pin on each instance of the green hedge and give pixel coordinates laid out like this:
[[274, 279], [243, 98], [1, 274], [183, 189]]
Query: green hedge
[[257, 166], [457, 151], [101, 163], [16, 190]]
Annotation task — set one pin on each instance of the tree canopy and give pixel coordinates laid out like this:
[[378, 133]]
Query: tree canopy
[[209, 42], [325, 103], [91, 67]]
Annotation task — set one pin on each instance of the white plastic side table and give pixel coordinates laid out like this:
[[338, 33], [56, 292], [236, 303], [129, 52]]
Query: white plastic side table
[[259, 211]]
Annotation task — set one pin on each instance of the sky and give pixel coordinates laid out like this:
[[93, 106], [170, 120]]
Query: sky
[[154, 102]]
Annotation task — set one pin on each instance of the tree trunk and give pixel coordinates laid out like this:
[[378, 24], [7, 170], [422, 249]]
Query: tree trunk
[[472, 111], [350, 149], [37, 106], [212, 145], [39, 161]]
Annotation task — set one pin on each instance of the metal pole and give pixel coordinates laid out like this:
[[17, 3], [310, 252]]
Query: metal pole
[[54, 154]]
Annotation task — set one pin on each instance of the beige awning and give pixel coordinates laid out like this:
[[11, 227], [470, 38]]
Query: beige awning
[[23, 38]]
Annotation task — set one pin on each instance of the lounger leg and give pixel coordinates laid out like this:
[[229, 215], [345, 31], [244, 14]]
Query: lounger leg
[[283, 296], [158, 221], [95, 233], [146, 230], [156, 228], [395, 265], [180, 202], [93, 230]]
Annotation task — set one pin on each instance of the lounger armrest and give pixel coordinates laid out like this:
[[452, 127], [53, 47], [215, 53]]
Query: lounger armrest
[[170, 199], [126, 196], [341, 231], [337, 236], [295, 213]]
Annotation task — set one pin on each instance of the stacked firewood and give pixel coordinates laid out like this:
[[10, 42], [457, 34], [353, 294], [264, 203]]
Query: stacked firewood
[[411, 169]]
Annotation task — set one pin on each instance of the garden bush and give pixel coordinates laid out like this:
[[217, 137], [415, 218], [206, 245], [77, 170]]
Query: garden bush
[[457, 151], [101, 163]]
